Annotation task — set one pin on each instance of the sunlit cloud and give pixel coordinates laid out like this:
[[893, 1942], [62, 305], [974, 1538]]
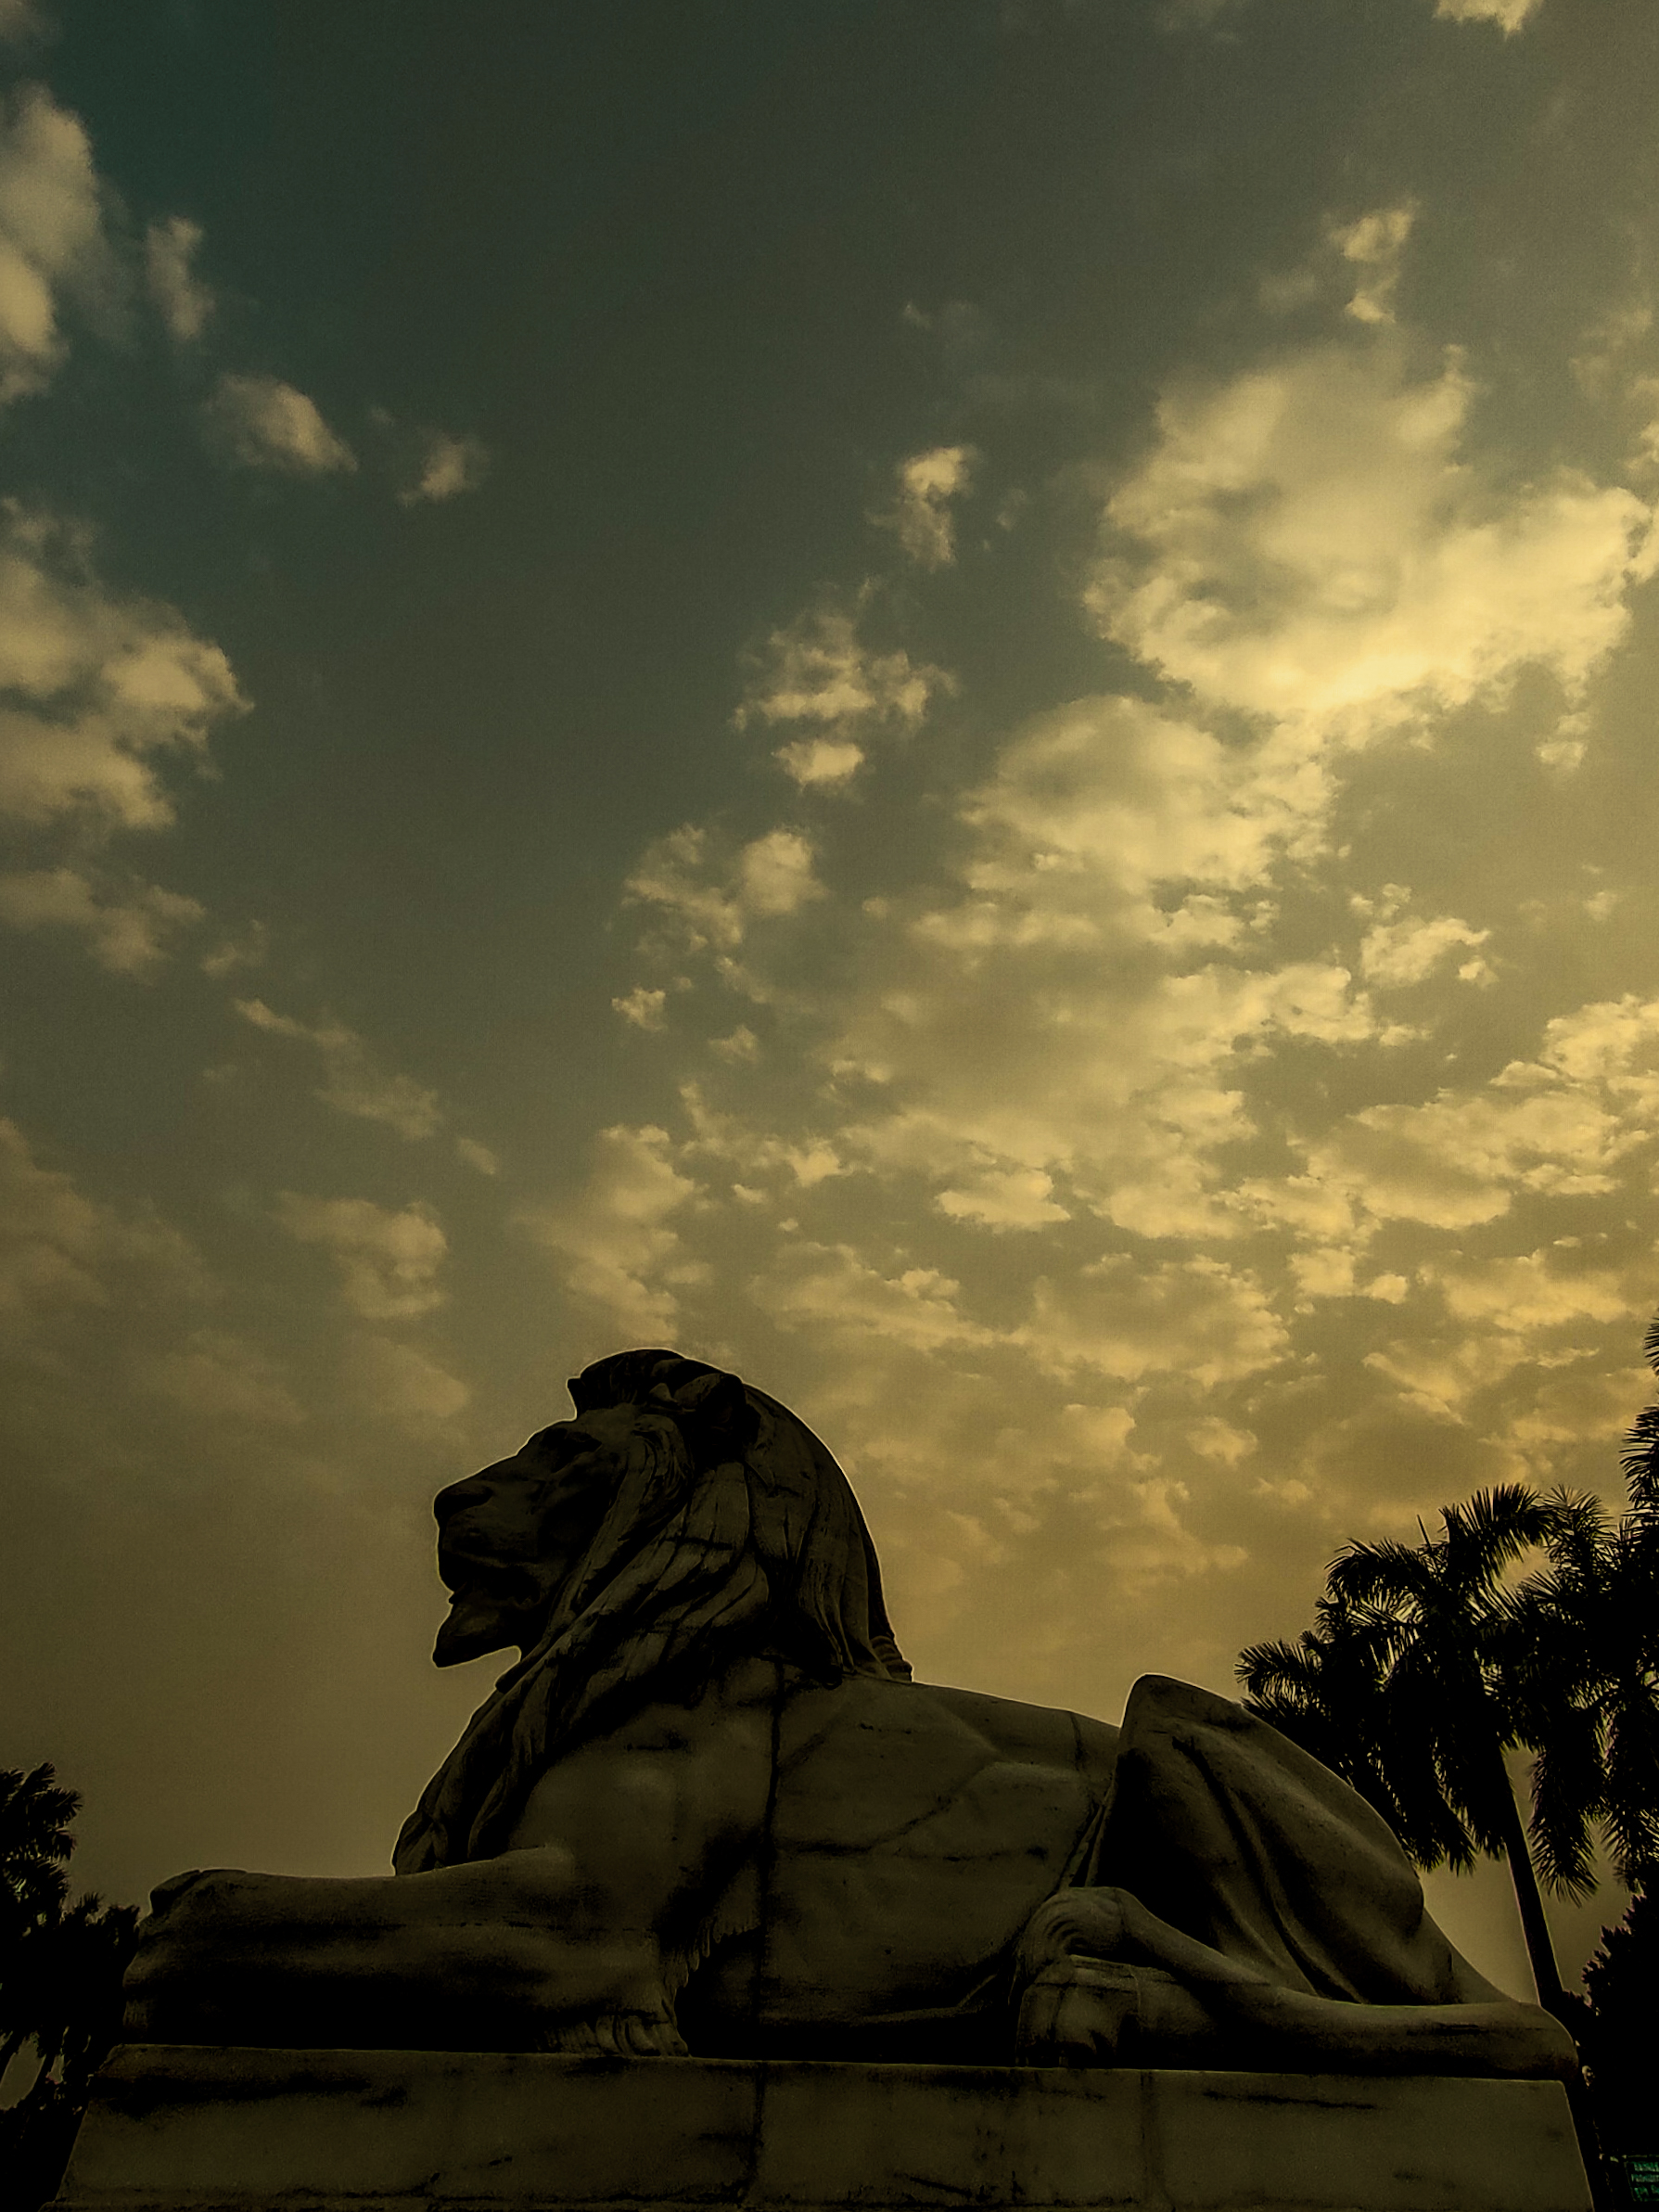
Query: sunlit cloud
[[643, 1007], [834, 1290], [21, 20], [53, 248], [60, 1247], [446, 467], [355, 1083], [619, 1249], [1374, 245], [1401, 948], [400, 1382], [1306, 543], [1196, 1318], [183, 300], [921, 514], [387, 1258], [1004, 1198], [714, 899], [259, 422], [214, 1375], [818, 676], [1128, 1084], [99, 691], [131, 930], [249, 947], [1509, 15]]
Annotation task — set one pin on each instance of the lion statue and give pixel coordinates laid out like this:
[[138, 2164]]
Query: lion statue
[[709, 1809]]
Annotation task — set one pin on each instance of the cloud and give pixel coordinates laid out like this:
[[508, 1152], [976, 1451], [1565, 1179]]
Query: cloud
[[1087, 1080], [1535, 1290], [21, 22], [183, 300], [129, 932], [714, 900], [1463, 1157], [619, 1251], [247, 949], [388, 1261], [354, 1083], [1004, 1198], [1509, 15], [725, 1137], [643, 1007], [832, 1288], [1401, 948], [921, 515], [1195, 1318], [1094, 806], [1374, 244], [216, 1376], [52, 241], [1069, 1021], [259, 422], [404, 1384], [446, 467], [742, 1048], [98, 691], [1560, 1126], [818, 675], [1082, 1002], [1305, 542], [59, 1248]]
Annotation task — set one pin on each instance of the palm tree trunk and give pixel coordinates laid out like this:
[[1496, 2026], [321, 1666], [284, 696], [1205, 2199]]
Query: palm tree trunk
[[1535, 1926]]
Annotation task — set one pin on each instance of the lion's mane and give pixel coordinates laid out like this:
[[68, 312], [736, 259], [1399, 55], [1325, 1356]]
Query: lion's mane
[[728, 1527]]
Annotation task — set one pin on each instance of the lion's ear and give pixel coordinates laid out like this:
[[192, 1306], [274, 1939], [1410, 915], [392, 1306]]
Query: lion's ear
[[715, 1416]]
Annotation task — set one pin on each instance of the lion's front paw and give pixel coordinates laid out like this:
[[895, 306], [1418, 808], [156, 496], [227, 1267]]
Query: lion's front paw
[[619, 2035], [1087, 1922]]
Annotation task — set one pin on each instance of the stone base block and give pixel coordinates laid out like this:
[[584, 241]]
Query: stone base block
[[190, 2129]]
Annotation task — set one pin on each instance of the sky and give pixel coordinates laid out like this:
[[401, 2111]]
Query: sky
[[950, 705]]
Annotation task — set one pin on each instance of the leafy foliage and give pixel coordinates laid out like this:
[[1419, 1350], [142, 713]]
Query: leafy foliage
[[1402, 1683], [1583, 1669], [1621, 2038], [1404, 1686], [34, 1843], [1427, 1663], [60, 1970]]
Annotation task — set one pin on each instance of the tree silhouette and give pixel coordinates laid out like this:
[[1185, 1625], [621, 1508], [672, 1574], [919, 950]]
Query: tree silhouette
[[1620, 2038], [60, 1970], [1407, 1685], [34, 1843], [1582, 1672]]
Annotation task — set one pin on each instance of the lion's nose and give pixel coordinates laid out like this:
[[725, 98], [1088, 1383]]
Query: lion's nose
[[471, 1491]]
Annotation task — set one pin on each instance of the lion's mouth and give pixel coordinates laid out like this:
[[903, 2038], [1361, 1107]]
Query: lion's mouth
[[461, 1568]]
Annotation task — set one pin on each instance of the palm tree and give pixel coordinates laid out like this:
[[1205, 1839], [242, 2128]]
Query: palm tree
[[1404, 1685], [1584, 1672]]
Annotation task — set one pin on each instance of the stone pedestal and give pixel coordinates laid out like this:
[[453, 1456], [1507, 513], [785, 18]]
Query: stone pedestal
[[193, 2128]]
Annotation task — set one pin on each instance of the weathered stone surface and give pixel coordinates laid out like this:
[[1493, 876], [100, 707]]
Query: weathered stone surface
[[193, 2128]]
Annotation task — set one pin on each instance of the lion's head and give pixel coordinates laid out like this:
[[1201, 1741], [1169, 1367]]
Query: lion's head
[[678, 1519]]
